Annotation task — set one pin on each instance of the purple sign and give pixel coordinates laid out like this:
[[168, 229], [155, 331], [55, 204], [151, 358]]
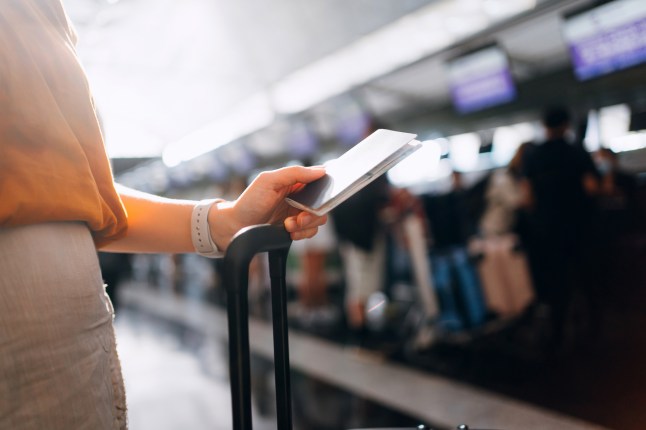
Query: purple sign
[[484, 91], [481, 80], [607, 39]]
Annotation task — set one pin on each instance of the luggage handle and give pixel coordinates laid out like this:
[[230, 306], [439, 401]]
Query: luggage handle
[[248, 242]]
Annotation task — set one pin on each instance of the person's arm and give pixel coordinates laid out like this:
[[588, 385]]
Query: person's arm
[[590, 176], [526, 198], [591, 184], [161, 225]]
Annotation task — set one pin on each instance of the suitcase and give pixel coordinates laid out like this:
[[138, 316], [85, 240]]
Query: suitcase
[[245, 245]]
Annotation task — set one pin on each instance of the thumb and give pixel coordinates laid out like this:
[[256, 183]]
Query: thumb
[[288, 176]]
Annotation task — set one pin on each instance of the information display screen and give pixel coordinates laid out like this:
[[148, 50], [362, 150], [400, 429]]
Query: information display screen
[[480, 80], [606, 39]]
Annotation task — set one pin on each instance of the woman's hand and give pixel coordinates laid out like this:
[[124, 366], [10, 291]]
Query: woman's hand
[[263, 202]]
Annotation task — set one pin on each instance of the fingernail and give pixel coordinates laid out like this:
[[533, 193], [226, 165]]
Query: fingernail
[[305, 219], [290, 224]]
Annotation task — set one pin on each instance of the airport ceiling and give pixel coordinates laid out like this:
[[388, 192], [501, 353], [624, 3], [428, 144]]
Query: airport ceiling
[[162, 69]]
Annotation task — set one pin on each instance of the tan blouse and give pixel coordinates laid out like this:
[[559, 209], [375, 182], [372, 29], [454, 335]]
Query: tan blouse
[[53, 164]]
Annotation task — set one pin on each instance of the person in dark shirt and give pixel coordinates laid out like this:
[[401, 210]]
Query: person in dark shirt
[[560, 179], [452, 223]]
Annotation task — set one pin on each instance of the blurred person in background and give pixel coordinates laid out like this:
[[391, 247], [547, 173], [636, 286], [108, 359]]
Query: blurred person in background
[[505, 197], [362, 244], [504, 271], [560, 179], [313, 306], [452, 223], [403, 206], [58, 362], [616, 195]]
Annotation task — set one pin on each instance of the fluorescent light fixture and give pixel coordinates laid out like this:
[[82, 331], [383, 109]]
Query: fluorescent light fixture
[[629, 142], [464, 17], [464, 151], [614, 122], [247, 117], [506, 141], [608, 127], [500, 9], [592, 139], [406, 40], [421, 166]]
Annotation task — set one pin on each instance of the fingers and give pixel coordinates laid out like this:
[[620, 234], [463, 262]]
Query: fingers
[[304, 234], [288, 176], [304, 221]]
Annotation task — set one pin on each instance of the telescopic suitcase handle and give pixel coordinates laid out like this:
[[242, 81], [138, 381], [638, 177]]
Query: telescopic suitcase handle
[[244, 246]]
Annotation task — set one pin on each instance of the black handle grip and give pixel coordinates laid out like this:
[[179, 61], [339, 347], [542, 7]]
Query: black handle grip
[[244, 246]]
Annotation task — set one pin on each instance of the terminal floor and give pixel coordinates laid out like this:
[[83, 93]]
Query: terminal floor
[[175, 378]]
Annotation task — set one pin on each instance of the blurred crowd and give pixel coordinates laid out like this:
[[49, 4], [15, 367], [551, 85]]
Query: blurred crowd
[[523, 246]]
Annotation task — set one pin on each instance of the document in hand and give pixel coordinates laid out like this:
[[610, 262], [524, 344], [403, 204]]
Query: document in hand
[[355, 169]]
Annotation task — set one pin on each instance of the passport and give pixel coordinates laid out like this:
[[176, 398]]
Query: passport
[[353, 170]]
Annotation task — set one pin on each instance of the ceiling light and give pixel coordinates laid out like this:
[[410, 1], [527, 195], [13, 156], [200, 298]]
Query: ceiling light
[[421, 166], [464, 151]]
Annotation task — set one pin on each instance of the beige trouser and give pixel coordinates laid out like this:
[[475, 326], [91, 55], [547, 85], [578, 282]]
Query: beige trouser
[[58, 363], [363, 270]]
